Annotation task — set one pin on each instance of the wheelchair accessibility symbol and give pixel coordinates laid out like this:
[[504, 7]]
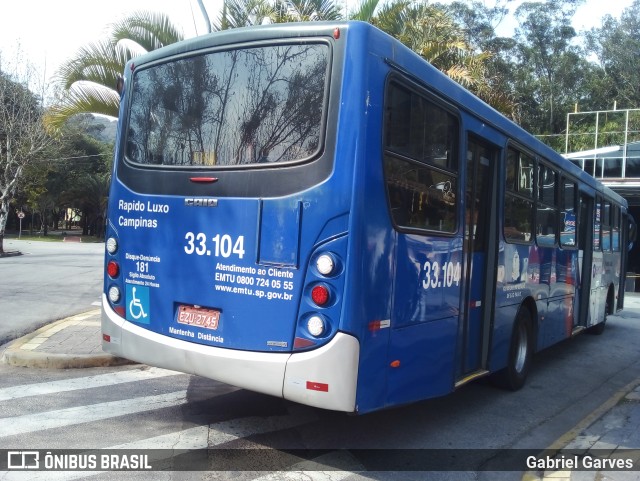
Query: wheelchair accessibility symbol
[[138, 304]]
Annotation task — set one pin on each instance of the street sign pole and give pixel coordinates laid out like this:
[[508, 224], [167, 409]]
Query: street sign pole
[[20, 216]]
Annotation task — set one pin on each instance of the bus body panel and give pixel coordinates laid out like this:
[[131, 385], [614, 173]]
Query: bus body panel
[[262, 372], [210, 260], [399, 298], [325, 377], [370, 263], [248, 256]]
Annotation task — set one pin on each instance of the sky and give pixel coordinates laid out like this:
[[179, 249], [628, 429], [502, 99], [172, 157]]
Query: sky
[[48, 32]]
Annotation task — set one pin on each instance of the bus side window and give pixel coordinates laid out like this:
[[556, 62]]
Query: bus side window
[[606, 226], [420, 161], [568, 215], [546, 214], [615, 229], [518, 200]]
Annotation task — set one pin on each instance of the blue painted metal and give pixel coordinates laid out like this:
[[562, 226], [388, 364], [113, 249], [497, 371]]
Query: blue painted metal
[[252, 258]]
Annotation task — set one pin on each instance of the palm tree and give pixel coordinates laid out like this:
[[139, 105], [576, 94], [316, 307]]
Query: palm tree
[[244, 13], [306, 10], [432, 33], [89, 78]]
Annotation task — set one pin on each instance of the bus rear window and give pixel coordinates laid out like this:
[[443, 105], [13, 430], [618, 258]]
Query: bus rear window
[[232, 108]]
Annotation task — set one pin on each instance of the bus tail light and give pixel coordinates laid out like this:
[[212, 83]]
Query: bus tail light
[[325, 264], [113, 269], [112, 245], [114, 294], [315, 326], [320, 295]]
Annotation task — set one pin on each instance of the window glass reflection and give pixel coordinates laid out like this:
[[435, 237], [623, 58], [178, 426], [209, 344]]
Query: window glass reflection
[[239, 107]]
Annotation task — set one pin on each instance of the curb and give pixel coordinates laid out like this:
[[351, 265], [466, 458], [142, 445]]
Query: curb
[[573, 434], [15, 355], [60, 361]]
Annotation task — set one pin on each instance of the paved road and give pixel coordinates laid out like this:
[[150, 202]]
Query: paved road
[[137, 407], [51, 280]]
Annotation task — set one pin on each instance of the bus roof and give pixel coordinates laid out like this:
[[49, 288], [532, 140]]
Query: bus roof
[[403, 58]]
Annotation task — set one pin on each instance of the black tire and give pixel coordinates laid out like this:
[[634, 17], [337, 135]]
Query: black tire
[[514, 376]]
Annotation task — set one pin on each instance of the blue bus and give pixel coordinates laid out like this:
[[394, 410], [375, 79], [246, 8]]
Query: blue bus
[[314, 212]]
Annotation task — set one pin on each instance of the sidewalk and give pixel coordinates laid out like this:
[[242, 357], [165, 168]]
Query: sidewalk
[[610, 432], [74, 342]]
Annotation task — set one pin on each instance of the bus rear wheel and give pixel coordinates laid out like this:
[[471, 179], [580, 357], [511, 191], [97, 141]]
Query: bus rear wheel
[[514, 376]]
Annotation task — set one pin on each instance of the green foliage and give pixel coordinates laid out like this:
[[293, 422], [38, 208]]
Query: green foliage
[[616, 45], [22, 139], [63, 181], [535, 78], [89, 78]]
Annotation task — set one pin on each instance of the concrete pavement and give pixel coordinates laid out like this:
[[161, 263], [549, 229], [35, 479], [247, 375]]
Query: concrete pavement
[[74, 342], [612, 431]]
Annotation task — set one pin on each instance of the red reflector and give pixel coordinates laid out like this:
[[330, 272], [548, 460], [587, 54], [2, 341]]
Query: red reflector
[[395, 363], [336, 33], [317, 386], [106, 337], [113, 269], [320, 295], [119, 310], [301, 342], [204, 180], [377, 325]]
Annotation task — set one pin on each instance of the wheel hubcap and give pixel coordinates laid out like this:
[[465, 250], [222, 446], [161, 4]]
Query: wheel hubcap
[[522, 349]]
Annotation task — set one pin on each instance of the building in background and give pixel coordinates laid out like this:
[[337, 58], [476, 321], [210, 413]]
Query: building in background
[[614, 159]]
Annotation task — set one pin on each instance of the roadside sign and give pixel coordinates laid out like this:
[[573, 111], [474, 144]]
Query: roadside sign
[[20, 216]]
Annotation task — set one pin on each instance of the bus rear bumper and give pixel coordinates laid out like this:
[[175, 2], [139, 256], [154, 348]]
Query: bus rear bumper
[[324, 378]]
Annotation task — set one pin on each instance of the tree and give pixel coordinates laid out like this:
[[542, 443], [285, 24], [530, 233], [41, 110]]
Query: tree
[[89, 78], [22, 138], [550, 66], [245, 13], [617, 45], [431, 31], [89, 196], [479, 23], [428, 29]]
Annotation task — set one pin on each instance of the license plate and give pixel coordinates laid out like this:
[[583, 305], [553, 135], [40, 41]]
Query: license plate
[[199, 317]]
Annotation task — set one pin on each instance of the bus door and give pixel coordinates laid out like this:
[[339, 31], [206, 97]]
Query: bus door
[[480, 248], [585, 260]]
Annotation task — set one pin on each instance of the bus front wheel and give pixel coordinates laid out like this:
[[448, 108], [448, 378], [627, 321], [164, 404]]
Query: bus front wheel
[[514, 375]]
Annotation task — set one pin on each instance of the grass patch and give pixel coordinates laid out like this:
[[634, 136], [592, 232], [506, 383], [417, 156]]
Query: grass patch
[[55, 237]]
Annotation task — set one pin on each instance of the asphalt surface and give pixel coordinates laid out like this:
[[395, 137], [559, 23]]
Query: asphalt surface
[[598, 448]]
